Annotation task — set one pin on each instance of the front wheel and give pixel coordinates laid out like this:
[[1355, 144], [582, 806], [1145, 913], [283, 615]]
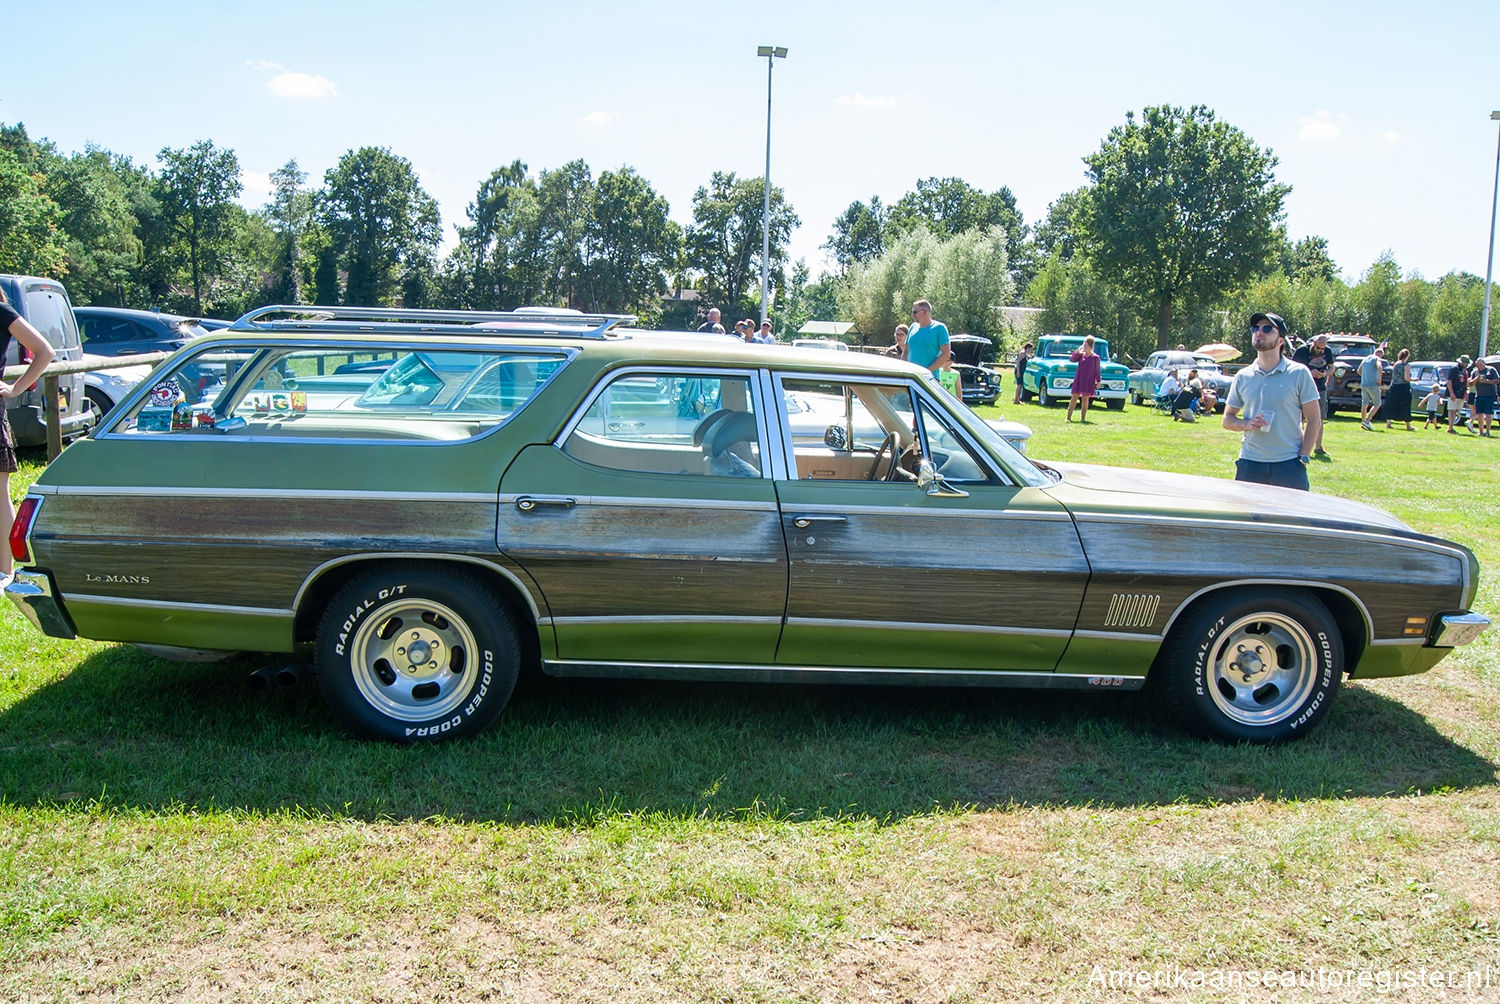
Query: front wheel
[[1042, 397], [1253, 665], [411, 654], [1135, 397], [1116, 404]]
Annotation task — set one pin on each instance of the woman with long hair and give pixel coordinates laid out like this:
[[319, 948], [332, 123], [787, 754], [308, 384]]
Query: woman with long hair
[[1398, 399], [13, 325]]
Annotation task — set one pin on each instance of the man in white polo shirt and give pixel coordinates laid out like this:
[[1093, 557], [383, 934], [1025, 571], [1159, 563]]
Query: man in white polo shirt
[[1284, 409]]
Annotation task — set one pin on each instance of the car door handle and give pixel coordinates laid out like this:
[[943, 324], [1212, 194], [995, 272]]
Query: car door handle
[[803, 522], [529, 503]]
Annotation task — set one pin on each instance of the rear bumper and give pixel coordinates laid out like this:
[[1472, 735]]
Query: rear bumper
[[32, 594], [29, 424]]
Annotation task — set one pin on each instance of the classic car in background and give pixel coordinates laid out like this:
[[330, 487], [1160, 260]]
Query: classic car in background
[[1049, 373], [1343, 379], [980, 383], [1427, 375], [426, 507], [1145, 383]]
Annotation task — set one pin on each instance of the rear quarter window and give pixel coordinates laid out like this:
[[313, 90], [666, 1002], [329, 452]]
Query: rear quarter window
[[406, 393]]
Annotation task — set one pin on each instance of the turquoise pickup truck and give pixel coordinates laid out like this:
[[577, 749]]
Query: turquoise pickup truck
[[1049, 373]]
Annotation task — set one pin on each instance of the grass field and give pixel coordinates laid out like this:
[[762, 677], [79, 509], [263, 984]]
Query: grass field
[[167, 835]]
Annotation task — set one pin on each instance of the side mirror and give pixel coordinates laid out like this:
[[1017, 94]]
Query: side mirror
[[934, 484], [835, 438]]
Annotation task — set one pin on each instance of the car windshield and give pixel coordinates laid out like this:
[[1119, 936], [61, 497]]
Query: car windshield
[[1062, 350], [1023, 470]]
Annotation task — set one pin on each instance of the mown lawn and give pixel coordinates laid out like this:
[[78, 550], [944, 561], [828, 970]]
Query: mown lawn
[[167, 835]]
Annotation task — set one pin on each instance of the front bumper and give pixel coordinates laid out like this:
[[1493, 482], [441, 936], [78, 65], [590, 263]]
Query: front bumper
[[32, 594], [1459, 629], [1108, 389]]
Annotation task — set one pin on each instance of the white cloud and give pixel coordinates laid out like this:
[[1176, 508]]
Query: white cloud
[[302, 86], [1390, 136], [859, 100], [1319, 128], [598, 119], [294, 85]]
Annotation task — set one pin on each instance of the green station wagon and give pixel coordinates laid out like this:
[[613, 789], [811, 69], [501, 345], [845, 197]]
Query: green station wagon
[[1049, 373], [429, 503]]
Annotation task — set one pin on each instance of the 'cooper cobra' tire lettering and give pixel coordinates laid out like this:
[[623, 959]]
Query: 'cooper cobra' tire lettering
[[1252, 665]]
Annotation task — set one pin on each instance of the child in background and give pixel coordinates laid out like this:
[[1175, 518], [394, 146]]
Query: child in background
[[1431, 402]]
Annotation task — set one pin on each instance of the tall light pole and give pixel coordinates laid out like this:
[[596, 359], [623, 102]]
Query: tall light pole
[[772, 53], [1489, 266]]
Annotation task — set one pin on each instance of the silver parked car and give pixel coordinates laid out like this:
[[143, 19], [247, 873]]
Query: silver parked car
[[1145, 383]]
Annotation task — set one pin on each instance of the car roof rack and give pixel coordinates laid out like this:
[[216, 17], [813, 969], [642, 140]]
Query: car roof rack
[[537, 321]]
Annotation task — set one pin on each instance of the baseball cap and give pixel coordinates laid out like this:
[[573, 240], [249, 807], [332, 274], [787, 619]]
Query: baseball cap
[[1273, 318]]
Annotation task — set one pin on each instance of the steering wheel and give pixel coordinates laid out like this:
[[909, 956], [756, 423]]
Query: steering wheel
[[888, 445]]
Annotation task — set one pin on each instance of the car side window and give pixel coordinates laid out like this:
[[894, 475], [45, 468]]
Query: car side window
[[697, 423], [845, 431]]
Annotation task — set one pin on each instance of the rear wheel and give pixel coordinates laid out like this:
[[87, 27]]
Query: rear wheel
[[1252, 665], [411, 654]]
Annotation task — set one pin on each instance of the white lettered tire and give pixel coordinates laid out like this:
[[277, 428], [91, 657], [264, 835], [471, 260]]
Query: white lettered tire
[[415, 655], [1253, 665]]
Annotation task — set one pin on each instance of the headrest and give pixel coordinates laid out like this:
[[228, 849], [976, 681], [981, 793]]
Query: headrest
[[736, 427], [707, 422]]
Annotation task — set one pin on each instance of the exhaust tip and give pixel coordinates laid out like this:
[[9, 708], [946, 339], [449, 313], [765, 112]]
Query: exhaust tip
[[290, 675]]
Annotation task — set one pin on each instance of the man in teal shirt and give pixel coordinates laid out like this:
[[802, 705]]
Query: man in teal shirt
[[926, 339]]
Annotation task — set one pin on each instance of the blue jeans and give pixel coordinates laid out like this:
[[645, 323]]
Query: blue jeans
[[1284, 474]]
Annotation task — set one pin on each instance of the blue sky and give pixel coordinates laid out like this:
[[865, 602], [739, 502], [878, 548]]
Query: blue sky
[[1378, 112]]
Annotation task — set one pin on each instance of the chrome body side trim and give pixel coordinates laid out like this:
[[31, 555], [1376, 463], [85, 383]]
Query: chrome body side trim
[[140, 604], [887, 625], [839, 675], [317, 494], [423, 556]]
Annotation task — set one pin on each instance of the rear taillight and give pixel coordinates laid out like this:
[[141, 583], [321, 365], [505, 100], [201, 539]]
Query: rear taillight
[[20, 530]]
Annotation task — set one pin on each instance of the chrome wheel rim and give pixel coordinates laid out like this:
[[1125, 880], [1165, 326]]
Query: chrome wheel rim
[[1263, 669], [413, 660]]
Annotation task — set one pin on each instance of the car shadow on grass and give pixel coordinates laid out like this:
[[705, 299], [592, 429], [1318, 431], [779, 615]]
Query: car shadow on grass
[[123, 730]]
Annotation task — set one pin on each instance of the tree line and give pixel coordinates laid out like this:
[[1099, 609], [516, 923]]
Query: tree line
[[174, 237], [1179, 232], [1177, 237]]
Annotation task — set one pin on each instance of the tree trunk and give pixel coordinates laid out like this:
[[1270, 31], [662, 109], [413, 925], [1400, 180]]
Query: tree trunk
[[1164, 323]]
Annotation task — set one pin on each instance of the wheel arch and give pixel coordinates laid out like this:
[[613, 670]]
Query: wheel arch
[[1348, 611], [326, 580]]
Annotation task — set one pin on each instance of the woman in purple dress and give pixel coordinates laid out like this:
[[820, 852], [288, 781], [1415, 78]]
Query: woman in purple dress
[[1085, 380]]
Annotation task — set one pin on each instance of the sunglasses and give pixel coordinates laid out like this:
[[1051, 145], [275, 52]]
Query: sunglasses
[[1265, 329]]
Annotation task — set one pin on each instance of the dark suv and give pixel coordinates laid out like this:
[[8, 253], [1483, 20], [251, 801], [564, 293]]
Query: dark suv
[[981, 383], [45, 303]]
